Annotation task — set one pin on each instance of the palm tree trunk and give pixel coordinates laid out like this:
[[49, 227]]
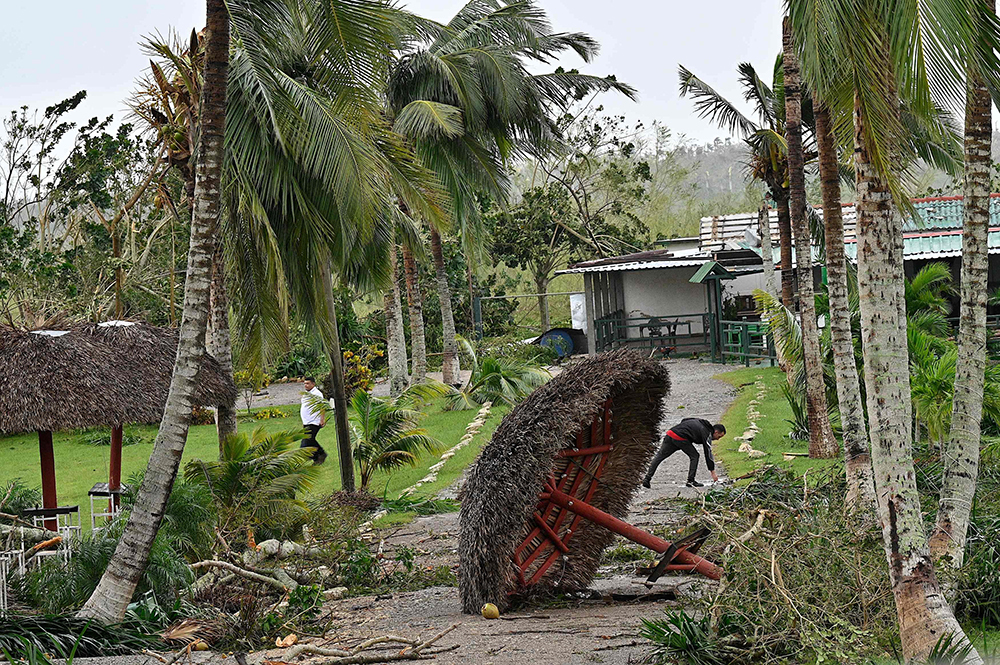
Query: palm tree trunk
[[961, 457], [114, 592], [542, 286], [219, 344], [418, 342], [766, 250], [924, 614], [450, 367], [785, 241], [857, 458], [395, 334], [331, 339], [822, 442]]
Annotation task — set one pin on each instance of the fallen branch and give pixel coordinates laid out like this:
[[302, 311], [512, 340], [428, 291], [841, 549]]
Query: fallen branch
[[17, 520], [244, 573], [417, 650], [51, 542]]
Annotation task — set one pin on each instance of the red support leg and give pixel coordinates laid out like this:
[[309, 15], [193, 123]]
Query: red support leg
[[48, 466], [626, 530], [115, 466]]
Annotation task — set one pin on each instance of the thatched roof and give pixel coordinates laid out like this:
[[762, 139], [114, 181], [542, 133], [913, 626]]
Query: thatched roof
[[92, 376], [501, 492]]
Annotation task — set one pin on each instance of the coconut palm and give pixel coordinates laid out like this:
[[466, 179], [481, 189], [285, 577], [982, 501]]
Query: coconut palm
[[822, 442], [930, 289], [496, 379], [114, 592], [764, 137], [466, 100], [893, 52], [257, 483], [961, 458], [386, 433]]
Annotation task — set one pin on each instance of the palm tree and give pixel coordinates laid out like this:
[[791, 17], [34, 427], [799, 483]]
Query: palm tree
[[399, 379], [386, 433], [891, 52], [496, 380], [822, 443], [467, 102], [765, 140], [930, 289], [961, 458], [857, 458], [114, 592], [255, 482], [168, 106], [414, 301]]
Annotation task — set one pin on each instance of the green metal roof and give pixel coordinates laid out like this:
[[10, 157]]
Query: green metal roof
[[710, 270], [930, 245]]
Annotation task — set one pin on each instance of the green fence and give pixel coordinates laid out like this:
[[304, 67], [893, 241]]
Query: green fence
[[746, 341], [655, 334]]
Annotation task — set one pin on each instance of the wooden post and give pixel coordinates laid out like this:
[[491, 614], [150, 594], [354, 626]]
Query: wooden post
[[115, 466], [48, 465]]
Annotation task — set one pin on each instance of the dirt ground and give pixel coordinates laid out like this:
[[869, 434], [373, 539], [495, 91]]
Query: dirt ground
[[601, 629]]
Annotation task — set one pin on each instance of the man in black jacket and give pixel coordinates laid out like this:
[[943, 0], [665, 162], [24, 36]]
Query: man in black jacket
[[683, 437]]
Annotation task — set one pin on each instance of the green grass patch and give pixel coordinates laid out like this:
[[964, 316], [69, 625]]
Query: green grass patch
[[79, 466], [773, 436]]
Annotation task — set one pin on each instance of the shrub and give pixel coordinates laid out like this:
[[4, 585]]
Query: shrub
[[202, 416], [102, 437], [250, 382], [358, 369], [268, 414]]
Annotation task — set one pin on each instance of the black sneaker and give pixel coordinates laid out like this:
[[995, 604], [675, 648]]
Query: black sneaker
[[694, 483], [320, 458], [645, 484]]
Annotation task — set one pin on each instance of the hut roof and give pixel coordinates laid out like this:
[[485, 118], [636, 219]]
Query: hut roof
[[94, 375], [501, 491]]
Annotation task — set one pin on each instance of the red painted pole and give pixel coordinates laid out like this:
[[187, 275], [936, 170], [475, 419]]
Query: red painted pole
[[636, 535], [48, 464], [115, 467]]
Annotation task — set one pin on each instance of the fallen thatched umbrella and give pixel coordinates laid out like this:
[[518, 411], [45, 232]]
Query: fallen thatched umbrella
[[547, 494], [91, 376]]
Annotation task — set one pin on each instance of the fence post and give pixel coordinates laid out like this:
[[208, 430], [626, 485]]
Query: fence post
[[710, 320], [745, 343], [477, 316]]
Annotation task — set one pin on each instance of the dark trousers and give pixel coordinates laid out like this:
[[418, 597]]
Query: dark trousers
[[311, 442], [668, 448]]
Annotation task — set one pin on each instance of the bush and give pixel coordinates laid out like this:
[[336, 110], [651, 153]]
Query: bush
[[267, 414], [358, 369], [16, 496], [202, 416], [23, 636], [102, 437]]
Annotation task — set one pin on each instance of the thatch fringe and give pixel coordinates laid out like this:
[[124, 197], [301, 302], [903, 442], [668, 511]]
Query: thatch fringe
[[93, 376], [501, 492]]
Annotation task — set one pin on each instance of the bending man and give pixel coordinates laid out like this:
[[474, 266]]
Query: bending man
[[683, 437]]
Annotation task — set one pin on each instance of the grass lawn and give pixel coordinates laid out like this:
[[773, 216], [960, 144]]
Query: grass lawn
[[79, 466], [773, 435]]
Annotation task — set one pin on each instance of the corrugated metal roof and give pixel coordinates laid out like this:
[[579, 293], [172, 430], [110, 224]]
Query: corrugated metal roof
[[638, 265], [930, 245]]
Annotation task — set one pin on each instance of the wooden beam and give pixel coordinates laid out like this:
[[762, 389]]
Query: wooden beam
[[115, 466], [48, 465]]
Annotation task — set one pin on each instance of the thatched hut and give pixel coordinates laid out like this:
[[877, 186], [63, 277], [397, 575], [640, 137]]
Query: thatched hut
[[92, 376], [501, 493]]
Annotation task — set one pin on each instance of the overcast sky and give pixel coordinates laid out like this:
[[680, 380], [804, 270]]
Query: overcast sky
[[49, 49]]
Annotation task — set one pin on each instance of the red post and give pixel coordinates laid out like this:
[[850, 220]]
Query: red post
[[115, 467], [636, 535], [48, 464]]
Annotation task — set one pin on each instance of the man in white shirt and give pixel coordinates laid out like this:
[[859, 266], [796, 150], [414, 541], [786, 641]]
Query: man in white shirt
[[312, 420]]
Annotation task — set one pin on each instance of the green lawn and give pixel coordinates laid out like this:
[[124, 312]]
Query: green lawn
[[773, 435], [79, 466]]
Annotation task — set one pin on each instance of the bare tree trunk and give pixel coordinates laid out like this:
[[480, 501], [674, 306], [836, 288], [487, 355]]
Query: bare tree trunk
[[395, 335], [451, 366], [219, 343], [766, 250], [857, 458], [114, 592], [331, 339], [418, 342], [924, 614], [542, 286], [822, 442], [961, 457], [785, 240]]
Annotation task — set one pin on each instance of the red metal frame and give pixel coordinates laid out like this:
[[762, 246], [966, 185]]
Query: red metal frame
[[566, 493]]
